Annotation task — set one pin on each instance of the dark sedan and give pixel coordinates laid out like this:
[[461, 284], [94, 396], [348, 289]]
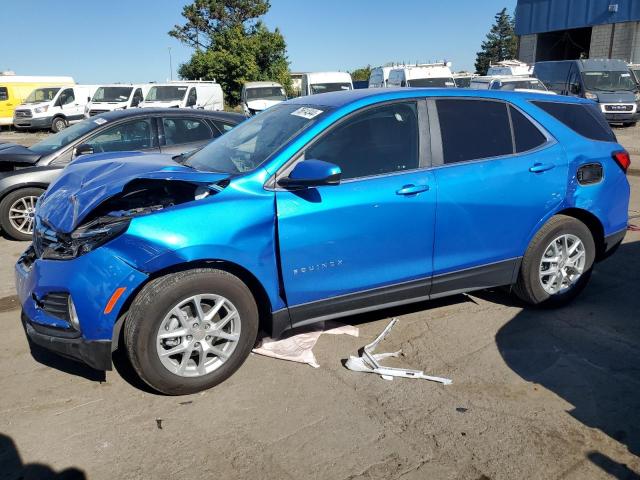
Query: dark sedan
[[25, 172]]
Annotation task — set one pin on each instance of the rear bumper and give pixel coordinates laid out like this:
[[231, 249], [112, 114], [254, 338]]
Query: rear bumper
[[96, 354], [612, 242]]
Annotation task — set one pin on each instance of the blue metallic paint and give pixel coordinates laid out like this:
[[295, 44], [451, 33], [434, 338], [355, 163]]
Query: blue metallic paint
[[379, 237]]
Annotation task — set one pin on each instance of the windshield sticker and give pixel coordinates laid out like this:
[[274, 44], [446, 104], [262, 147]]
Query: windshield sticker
[[624, 75], [306, 112], [99, 121]]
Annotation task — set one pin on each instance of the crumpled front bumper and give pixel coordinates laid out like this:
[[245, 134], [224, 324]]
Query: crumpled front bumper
[[90, 280]]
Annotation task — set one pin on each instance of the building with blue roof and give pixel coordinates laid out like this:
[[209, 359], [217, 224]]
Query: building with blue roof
[[571, 29]]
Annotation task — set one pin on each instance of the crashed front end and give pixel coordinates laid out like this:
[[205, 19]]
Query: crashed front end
[[75, 278]]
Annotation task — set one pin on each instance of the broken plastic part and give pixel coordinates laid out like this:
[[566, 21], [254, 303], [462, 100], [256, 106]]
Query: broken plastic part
[[369, 362]]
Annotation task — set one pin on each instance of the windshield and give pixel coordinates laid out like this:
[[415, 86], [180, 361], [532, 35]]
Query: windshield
[[42, 95], [66, 136], [266, 93], [252, 142], [432, 82], [112, 94], [533, 84], [329, 87], [609, 81], [165, 94]]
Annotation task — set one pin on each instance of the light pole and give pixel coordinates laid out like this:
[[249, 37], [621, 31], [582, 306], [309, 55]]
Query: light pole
[[170, 65]]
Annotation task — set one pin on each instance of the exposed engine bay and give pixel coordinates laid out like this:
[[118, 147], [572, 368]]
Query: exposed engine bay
[[112, 217]]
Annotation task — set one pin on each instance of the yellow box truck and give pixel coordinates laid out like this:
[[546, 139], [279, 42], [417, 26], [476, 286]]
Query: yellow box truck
[[15, 88]]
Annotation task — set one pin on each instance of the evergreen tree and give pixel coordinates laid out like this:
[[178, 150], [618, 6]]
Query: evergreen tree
[[232, 45], [501, 43]]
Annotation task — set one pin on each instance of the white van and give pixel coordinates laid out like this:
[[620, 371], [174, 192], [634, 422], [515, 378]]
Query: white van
[[428, 75], [510, 83], [510, 68], [15, 88], [117, 96], [323, 82], [184, 94], [53, 107], [258, 96], [379, 77]]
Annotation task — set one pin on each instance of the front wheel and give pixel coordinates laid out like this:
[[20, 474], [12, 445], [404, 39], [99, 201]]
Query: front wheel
[[17, 212], [189, 331], [557, 265], [58, 124]]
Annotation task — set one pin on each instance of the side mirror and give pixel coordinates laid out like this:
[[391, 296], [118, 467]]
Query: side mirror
[[311, 173], [82, 149]]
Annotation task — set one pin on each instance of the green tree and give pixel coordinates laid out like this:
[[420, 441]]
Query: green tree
[[501, 43], [232, 45], [361, 73]]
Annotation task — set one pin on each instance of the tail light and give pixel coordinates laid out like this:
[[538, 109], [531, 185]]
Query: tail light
[[622, 158]]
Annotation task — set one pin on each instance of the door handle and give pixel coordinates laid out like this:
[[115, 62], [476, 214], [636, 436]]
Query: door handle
[[412, 189], [541, 167]]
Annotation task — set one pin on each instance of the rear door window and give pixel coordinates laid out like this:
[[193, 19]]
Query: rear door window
[[185, 130], [585, 119], [526, 135], [473, 129], [4, 94]]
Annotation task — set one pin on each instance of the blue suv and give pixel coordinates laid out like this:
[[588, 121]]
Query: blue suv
[[317, 208]]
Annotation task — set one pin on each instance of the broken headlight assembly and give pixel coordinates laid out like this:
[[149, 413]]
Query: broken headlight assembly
[[82, 240]]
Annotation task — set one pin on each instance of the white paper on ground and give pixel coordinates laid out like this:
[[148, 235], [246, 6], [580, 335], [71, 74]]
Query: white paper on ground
[[298, 347]]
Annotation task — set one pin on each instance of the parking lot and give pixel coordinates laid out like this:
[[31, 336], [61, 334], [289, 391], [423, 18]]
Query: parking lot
[[535, 394]]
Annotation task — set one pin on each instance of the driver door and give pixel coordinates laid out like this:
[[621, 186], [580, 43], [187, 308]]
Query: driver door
[[369, 240]]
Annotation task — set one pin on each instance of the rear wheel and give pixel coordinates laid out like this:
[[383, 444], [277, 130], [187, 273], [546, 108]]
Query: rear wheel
[[557, 265], [58, 124], [189, 331], [17, 212]]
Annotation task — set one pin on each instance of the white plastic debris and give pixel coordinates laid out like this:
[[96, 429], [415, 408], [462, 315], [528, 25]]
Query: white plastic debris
[[299, 347], [369, 362]]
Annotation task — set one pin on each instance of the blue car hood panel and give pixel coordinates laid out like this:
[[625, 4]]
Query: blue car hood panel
[[86, 184]]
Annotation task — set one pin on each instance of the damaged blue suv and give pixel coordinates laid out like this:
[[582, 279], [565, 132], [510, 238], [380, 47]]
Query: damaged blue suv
[[317, 208]]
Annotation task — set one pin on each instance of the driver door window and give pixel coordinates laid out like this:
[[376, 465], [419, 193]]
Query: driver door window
[[133, 135], [192, 98], [377, 141], [137, 98], [66, 97]]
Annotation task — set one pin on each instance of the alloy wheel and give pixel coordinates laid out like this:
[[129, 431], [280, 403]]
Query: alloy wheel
[[22, 213], [562, 264], [198, 335]]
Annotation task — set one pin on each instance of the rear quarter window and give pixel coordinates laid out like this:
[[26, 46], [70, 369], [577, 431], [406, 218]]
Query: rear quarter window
[[584, 119]]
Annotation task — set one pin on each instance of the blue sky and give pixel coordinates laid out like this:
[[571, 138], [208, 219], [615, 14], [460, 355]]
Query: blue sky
[[98, 41]]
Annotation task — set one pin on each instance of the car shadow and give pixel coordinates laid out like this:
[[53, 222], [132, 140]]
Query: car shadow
[[11, 466], [588, 352], [53, 360]]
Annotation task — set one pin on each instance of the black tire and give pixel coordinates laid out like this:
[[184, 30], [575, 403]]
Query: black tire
[[152, 304], [58, 124], [5, 206], [528, 287]]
